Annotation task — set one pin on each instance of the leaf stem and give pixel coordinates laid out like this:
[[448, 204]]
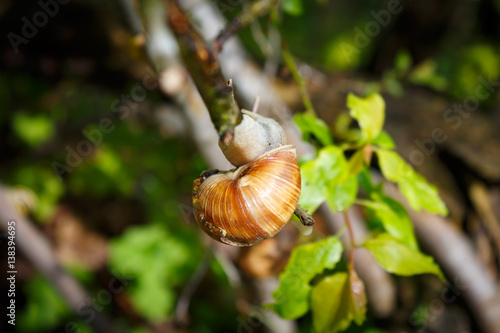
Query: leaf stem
[[351, 261], [351, 238], [306, 100], [349, 228]]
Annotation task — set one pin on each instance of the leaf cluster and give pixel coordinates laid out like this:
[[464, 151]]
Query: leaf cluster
[[337, 298]]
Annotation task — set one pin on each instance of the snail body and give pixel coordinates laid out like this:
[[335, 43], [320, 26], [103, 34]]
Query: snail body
[[253, 137], [243, 206]]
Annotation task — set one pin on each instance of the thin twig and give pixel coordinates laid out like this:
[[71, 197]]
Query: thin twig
[[250, 14], [181, 310], [232, 273], [349, 228], [351, 238], [131, 18]]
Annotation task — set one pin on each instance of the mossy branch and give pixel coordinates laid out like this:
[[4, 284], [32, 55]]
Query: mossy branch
[[217, 93]]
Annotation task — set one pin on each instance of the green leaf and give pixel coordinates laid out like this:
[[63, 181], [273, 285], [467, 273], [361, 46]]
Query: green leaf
[[398, 258], [384, 140], [333, 170], [356, 162], [341, 196], [421, 194], [312, 125], [332, 165], [413, 186], [326, 302], [293, 7], [393, 167], [393, 217], [402, 63], [342, 126], [336, 301], [426, 74], [341, 54], [313, 187], [330, 168], [307, 261], [33, 129], [369, 112]]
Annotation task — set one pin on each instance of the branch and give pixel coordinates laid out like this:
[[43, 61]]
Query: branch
[[484, 206], [205, 70], [163, 51], [131, 18]]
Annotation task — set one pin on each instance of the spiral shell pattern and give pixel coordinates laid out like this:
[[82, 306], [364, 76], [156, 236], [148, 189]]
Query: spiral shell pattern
[[253, 202]]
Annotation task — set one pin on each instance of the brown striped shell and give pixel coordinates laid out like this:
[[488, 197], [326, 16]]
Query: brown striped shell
[[251, 203]]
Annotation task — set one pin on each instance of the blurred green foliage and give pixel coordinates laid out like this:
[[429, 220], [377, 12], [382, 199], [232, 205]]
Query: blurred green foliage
[[46, 310], [343, 42], [45, 307], [160, 261], [160, 256], [44, 183], [161, 248], [34, 130]]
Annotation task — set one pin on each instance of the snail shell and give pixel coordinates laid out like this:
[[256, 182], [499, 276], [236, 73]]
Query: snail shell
[[253, 202]]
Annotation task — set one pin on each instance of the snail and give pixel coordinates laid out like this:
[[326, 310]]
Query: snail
[[252, 202], [254, 136]]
